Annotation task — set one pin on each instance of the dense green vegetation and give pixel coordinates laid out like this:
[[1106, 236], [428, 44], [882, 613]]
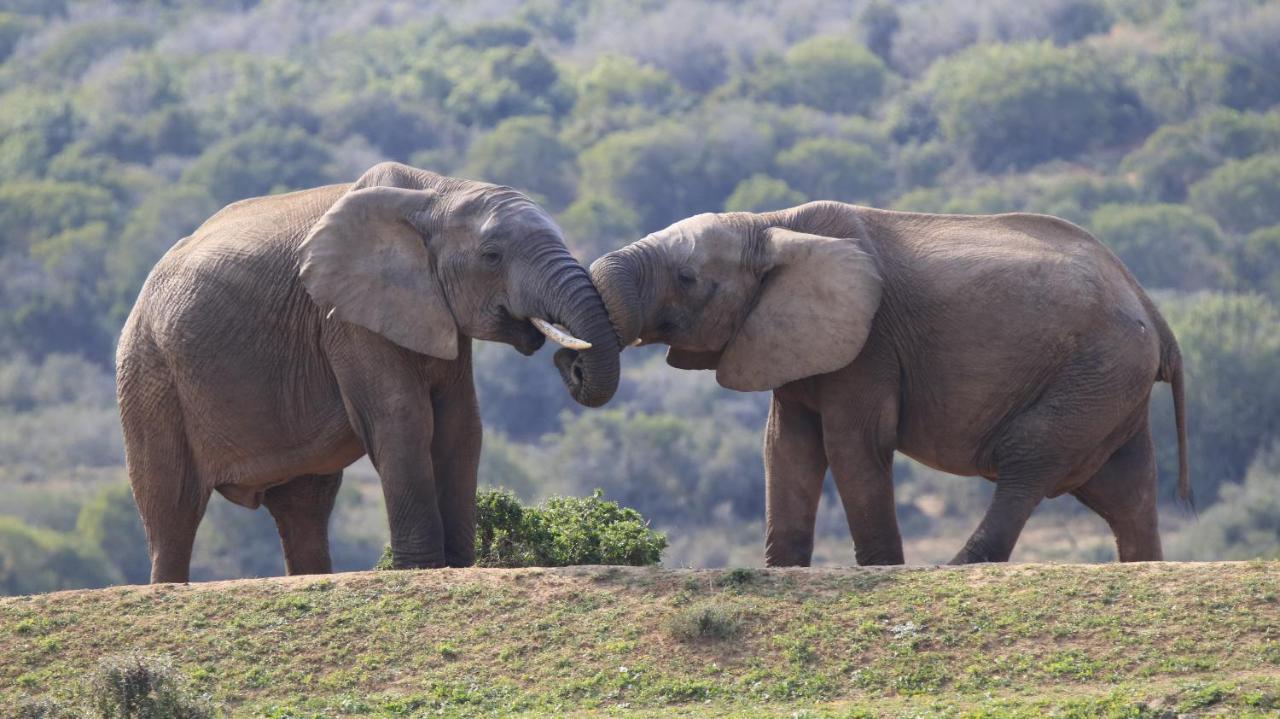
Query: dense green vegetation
[[996, 641], [561, 532], [124, 124]]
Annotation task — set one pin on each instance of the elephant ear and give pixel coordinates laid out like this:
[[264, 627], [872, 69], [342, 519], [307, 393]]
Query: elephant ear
[[812, 316], [367, 259]]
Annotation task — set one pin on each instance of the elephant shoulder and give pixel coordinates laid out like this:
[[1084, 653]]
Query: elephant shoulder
[[252, 230], [272, 209], [244, 256]]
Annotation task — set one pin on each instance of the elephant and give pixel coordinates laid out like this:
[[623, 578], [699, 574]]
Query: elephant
[[289, 335], [1015, 347]]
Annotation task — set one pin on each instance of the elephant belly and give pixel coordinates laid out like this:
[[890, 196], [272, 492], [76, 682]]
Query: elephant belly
[[259, 406], [943, 453], [245, 449]]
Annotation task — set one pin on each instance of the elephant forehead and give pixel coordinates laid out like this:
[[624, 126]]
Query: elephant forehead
[[519, 218], [699, 239]]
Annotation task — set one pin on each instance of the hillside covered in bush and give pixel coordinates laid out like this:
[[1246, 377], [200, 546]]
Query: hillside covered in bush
[[125, 123]]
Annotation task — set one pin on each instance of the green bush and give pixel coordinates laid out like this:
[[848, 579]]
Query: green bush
[[137, 686], [1176, 156], [525, 153], [594, 225], [655, 170], [562, 532], [79, 47], [508, 534], [111, 522], [44, 708], [828, 73], [12, 27], [761, 193], [1014, 106], [509, 82], [36, 560], [262, 160], [705, 621], [1259, 260], [826, 168], [592, 530], [1165, 245], [1242, 195], [1242, 525], [1231, 354]]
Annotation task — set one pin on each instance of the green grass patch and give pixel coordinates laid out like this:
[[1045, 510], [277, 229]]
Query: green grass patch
[[987, 641]]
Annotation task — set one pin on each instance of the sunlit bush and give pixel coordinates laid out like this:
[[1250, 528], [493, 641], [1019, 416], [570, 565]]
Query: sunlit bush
[[561, 532]]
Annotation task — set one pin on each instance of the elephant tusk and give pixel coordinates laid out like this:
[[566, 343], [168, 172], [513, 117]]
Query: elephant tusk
[[559, 335], [637, 342]]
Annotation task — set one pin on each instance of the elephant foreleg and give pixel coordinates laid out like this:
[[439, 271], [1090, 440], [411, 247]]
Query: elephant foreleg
[[388, 401], [862, 466], [794, 467], [455, 452], [413, 510], [301, 508]]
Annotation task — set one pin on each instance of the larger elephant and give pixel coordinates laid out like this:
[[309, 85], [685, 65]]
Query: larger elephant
[[289, 335], [1015, 347]]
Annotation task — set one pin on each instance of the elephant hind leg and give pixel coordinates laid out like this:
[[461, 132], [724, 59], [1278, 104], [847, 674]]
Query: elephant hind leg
[[1016, 497], [166, 485], [301, 508], [1032, 459], [1123, 492]]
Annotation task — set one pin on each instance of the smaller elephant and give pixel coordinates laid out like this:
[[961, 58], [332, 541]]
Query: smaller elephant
[[290, 335], [1015, 347]]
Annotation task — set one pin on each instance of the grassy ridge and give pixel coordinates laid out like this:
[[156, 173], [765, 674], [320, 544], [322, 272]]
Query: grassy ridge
[[994, 641]]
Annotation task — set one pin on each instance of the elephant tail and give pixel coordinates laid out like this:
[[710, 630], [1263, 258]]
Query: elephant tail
[[1171, 372]]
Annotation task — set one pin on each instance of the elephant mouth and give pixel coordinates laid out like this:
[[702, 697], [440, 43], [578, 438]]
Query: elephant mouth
[[528, 335], [519, 333], [558, 334]]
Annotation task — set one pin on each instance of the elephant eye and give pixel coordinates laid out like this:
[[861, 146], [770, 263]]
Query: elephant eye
[[491, 257], [687, 277]]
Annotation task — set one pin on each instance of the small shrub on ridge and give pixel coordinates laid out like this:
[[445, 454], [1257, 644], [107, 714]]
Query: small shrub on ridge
[[562, 532]]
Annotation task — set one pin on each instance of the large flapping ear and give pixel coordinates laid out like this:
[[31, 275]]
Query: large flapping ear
[[814, 311], [367, 259]]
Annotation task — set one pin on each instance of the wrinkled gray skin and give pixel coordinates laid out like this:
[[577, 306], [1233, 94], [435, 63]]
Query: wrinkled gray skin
[[1015, 347], [292, 334]]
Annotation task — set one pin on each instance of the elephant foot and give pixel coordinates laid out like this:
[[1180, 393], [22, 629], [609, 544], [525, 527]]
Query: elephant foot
[[416, 561], [977, 556]]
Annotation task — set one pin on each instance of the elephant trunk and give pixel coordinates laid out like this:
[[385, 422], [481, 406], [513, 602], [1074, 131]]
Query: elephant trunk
[[590, 375], [614, 276]]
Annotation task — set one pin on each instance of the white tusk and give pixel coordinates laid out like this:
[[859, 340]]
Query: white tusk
[[637, 342], [330, 315], [559, 335]]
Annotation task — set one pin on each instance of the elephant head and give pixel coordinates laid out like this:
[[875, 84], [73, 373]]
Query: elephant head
[[746, 295], [421, 259]]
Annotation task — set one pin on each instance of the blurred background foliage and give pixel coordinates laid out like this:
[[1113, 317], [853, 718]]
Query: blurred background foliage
[[125, 123]]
